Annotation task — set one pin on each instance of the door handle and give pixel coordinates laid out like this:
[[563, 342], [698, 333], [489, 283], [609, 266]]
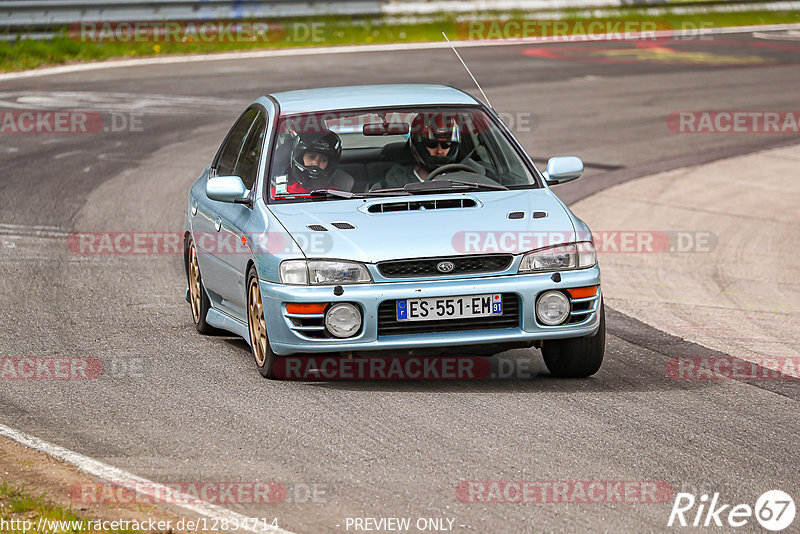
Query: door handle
[[218, 223]]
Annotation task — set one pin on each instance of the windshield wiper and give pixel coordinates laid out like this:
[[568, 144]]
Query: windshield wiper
[[335, 193], [480, 185]]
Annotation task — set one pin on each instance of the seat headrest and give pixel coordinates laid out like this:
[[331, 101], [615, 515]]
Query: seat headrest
[[399, 151]]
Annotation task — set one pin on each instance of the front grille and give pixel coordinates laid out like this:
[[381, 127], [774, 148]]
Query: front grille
[[581, 309], [389, 325], [463, 265], [310, 326]]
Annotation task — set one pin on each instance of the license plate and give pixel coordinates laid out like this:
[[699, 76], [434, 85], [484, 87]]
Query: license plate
[[431, 309]]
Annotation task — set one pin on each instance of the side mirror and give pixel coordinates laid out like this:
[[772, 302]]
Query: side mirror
[[226, 189], [563, 169]]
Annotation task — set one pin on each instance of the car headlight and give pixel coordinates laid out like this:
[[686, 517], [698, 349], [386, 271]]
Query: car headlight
[[560, 258], [343, 320], [323, 272], [552, 308]]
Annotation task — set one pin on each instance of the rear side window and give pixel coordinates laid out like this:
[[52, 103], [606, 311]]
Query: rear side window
[[233, 144], [247, 164]]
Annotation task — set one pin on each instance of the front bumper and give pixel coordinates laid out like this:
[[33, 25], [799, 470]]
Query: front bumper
[[284, 340]]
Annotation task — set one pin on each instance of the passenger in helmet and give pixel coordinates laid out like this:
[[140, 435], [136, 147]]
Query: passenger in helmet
[[434, 141], [314, 165]]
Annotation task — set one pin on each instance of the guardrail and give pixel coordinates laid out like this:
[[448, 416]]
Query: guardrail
[[31, 15], [39, 14]]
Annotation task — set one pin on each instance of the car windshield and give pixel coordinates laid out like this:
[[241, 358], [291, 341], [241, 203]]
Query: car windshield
[[366, 153]]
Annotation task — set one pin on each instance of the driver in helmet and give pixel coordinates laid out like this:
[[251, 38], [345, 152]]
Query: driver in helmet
[[314, 165], [434, 142]]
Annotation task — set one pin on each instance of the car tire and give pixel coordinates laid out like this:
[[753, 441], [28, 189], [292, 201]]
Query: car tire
[[257, 326], [198, 298], [576, 357]]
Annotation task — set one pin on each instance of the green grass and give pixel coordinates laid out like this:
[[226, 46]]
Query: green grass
[[17, 504], [28, 54]]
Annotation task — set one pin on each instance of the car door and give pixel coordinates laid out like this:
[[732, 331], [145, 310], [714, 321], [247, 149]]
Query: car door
[[233, 221], [214, 245]]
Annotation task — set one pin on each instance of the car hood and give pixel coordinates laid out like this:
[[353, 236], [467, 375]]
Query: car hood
[[484, 228]]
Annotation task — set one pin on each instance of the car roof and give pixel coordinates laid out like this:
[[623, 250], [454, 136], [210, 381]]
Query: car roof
[[369, 96]]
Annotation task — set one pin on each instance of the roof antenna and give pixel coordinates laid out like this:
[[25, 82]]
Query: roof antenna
[[467, 68]]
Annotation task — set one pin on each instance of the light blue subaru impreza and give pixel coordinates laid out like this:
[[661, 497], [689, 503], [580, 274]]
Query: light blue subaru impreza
[[394, 219]]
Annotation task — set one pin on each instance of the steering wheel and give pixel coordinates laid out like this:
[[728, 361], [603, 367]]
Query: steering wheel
[[450, 167]]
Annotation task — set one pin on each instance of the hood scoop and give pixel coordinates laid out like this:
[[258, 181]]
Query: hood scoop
[[422, 205]]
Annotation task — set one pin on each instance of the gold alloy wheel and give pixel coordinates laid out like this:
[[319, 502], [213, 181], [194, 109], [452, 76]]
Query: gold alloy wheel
[[256, 324], [194, 284]]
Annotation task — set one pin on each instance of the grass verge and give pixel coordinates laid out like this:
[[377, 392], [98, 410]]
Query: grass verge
[[23, 513], [69, 47]]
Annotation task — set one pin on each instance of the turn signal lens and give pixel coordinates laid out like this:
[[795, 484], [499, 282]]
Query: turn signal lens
[[582, 292], [306, 308]]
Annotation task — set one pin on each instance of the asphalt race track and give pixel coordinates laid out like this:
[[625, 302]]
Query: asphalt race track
[[175, 406]]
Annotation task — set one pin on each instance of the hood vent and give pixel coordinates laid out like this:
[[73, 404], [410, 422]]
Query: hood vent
[[343, 225], [539, 214], [317, 228], [421, 205], [516, 215]]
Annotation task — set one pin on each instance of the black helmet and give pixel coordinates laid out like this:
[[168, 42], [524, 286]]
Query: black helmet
[[429, 129], [324, 142]]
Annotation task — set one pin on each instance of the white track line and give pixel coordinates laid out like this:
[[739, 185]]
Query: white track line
[[25, 230], [357, 49], [116, 475]]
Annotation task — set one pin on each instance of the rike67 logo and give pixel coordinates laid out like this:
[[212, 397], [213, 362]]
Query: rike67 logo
[[774, 510]]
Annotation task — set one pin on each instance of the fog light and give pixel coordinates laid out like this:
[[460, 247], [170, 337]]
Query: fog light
[[552, 308], [343, 320]]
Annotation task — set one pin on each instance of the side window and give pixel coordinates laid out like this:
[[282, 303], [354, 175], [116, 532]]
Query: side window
[[233, 145], [247, 164]]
